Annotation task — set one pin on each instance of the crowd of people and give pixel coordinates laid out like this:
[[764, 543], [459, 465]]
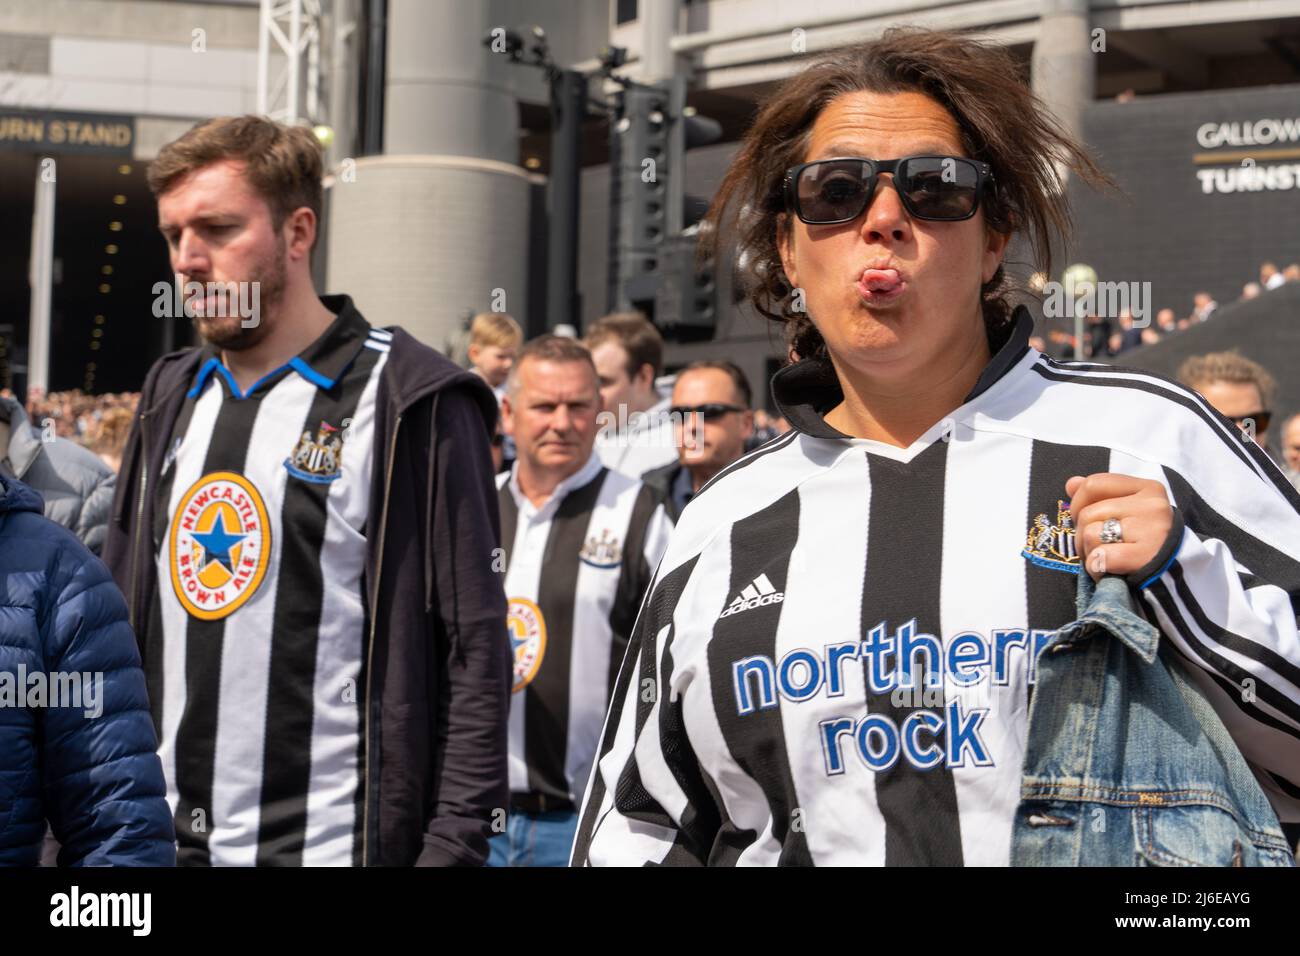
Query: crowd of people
[[98, 422], [1102, 337], [359, 605]]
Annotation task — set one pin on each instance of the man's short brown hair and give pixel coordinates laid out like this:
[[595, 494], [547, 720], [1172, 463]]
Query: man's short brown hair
[[731, 370], [639, 338], [550, 348], [1201, 370], [495, 328], [282, 163]]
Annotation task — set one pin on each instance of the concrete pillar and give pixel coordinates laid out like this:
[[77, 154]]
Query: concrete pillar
[[658, 24], [1064, 66], [445, 93], [439, 224]]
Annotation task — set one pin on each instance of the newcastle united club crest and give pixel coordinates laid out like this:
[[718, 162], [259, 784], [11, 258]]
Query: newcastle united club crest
[[319, 460], [602, 552], [1052, 545]]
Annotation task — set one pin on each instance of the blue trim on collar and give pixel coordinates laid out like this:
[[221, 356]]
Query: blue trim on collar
[[310, 374], [214, 364]]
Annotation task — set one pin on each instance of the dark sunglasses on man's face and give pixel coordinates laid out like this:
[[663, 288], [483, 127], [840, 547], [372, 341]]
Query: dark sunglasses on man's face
[[711, 411], [1260, 419], [938, 188]]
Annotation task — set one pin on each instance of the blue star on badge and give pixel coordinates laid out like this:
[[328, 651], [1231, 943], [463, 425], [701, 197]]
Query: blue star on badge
[[216, 544]]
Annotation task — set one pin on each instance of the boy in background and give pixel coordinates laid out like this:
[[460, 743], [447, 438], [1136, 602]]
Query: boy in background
[[494, 339]]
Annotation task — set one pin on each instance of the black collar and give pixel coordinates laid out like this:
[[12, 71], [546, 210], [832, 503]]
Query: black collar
[[806, 391], [322, 363]]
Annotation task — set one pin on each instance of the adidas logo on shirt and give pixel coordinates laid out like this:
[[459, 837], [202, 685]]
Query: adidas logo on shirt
[[759, 593]]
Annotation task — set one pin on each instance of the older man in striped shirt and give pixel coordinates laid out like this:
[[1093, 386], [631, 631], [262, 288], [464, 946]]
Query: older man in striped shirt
[[581, 543]]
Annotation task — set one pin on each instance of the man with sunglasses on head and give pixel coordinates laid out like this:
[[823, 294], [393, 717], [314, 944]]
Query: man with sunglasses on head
[[713, 421], [581, 542], [835, 661]]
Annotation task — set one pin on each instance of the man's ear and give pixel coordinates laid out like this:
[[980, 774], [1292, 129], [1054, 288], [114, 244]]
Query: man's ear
[[645, 377], [785, 247], [300, 231], [507, 416]]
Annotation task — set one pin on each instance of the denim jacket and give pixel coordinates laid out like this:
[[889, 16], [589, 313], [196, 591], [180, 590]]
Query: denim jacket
[[1127, 763]]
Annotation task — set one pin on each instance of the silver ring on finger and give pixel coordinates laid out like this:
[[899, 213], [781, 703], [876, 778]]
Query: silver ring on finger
[[1111, 531]]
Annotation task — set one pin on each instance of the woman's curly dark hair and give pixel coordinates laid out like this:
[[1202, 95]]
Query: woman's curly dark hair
[[1002, 123]]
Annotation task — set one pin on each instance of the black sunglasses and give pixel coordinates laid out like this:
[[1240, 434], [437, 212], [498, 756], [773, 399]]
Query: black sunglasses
[[711, 411], [1261, 420], [939, 188]]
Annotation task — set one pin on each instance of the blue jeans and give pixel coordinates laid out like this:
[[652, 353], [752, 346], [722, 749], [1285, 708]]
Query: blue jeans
[[534, 839]]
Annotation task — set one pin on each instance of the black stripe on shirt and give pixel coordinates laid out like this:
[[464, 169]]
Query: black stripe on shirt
[[633, 579], [902, 582], [1282, 569], [1264, 656], [196, 734], [295, 634], [631, 798], [760, 544], [509, 511], [1050, 592], [546, 707], [1286, 786]]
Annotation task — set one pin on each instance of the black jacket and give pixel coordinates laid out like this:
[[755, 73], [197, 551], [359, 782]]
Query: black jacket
[[662, 481], [437, 674]]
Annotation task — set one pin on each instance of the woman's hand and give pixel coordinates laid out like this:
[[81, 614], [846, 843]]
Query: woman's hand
[[1139, 504]]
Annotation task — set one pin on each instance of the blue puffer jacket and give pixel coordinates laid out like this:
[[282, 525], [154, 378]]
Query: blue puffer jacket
[[76, 739]]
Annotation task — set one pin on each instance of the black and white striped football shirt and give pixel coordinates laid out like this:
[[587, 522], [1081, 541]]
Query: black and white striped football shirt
[[260, 544], [577, 568], [760, 717]]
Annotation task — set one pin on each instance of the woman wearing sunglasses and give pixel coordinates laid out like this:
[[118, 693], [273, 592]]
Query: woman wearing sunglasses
[[835, 662]]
